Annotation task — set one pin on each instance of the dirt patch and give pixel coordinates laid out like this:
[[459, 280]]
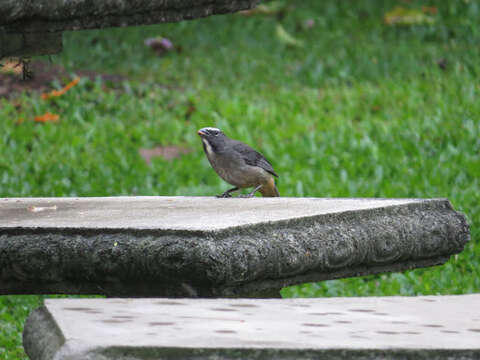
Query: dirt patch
[[41, 77], [168, 152]]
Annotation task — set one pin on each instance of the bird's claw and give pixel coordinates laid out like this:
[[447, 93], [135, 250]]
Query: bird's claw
[[224, 195]]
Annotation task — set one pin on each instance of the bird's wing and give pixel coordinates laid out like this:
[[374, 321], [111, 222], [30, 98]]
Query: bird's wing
[[253, 158]]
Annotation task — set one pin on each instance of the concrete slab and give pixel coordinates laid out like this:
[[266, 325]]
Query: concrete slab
[[199, 246], [171, 213], [426, 327]]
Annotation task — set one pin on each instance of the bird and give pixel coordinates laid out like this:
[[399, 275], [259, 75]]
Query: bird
[[238, 164]]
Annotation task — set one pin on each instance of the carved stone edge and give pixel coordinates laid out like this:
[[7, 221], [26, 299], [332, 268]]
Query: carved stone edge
[[270, 288], [453, 226], [241, 261]]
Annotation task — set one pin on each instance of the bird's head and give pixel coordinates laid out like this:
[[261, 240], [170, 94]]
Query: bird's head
[[210, 133], [212, 138]]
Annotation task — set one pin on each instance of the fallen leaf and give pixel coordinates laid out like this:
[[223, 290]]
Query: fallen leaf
[[55, 93], [160, 45], [286, 38], [11, 66], [403, 16], [41, 208], [430, 9], [47, 117], [168, 152]]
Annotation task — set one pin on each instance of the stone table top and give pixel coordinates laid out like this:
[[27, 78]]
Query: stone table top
[[173, 213], [394, 325], [209, 247]]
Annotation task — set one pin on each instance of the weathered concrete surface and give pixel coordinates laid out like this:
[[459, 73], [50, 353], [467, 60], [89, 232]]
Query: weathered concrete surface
[[181, 213], [427, 327], [184, 246]]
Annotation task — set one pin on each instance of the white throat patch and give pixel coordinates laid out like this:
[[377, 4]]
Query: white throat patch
[[208, 148]]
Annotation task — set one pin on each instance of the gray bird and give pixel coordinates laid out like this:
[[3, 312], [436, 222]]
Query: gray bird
[[238, 164]]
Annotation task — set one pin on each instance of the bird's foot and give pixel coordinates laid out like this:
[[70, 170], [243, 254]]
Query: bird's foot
[[226, 194]]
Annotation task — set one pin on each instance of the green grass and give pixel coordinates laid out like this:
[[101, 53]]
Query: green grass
[[363, 110]]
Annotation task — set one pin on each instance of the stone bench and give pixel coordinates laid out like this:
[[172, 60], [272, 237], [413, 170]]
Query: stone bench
[[425, 327], [208, 247], [35, 27]]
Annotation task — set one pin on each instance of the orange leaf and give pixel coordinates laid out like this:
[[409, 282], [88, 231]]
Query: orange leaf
[[47, 117], [430, 9], [55, 93]]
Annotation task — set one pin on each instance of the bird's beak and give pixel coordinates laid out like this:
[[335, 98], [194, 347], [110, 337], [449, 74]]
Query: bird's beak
[[201, 133]]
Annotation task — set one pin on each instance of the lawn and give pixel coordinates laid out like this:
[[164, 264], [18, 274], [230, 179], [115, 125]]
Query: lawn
[[362, 109]]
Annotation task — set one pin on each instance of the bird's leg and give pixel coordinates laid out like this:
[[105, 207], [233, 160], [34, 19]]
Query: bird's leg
[[226, 194], [252, 194]]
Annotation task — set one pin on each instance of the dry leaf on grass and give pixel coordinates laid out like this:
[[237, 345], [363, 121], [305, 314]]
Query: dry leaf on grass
[[168, 152], [286, 38], [47, 117], [55, 93], [11, 66], [403, 16], [430, 9]]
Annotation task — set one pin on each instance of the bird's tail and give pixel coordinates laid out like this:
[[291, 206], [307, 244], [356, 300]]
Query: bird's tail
[[269, 189]]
